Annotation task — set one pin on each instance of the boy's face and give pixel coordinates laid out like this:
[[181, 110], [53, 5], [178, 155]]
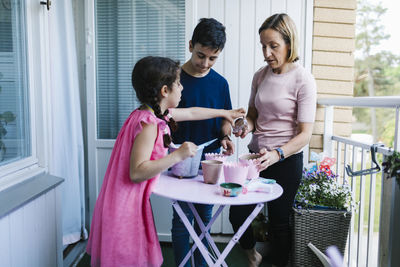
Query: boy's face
[[203, 57]]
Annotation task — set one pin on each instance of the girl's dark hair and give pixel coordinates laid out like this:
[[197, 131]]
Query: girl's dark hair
[[149, 75]]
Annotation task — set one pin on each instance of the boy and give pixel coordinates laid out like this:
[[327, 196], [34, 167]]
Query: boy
[[203, 87]]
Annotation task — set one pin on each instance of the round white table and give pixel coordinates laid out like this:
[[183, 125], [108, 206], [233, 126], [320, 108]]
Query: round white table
[[194, 190]]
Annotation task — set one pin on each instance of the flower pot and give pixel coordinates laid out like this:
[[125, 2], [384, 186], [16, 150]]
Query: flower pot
[[235, 172], [188, 167], [251, 161], [322, 228], [212, 171]]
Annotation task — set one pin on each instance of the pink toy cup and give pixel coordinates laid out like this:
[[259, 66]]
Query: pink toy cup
[[216, 156], [251, 161], [235, 172], [212, 170]]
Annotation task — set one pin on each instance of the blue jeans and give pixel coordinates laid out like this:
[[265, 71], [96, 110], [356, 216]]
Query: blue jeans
[[180, 235]]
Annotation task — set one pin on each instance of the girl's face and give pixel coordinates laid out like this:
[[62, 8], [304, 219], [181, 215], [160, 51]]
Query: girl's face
[[174, 96], [275, 50]]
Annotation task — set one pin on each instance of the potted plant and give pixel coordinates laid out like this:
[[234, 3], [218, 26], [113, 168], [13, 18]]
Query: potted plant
[[391, 166], [322, 213], [5, 117]]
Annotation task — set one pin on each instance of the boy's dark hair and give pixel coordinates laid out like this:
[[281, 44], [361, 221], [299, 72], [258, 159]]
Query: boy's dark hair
[[210, 33], [149, 75]]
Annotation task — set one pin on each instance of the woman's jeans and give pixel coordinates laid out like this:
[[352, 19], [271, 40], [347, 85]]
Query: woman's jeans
[[180, 235], [288, 174]]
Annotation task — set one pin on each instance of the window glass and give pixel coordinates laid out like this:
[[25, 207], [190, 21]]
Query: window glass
[[14, 102], [125, 32]]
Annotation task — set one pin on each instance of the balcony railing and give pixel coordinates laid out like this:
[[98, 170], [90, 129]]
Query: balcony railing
[[374, 233]]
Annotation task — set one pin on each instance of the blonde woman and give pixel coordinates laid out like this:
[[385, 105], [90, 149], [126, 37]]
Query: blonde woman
[[280, 116]]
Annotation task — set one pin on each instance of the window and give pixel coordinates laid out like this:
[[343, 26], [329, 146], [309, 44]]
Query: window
[[15, 139], [125, 32]]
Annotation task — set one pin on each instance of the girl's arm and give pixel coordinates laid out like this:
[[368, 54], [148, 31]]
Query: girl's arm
[[141, 167], [197, 113], [293, 146]]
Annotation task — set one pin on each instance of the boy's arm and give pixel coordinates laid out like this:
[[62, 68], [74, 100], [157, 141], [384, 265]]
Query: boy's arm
[[198, 113]]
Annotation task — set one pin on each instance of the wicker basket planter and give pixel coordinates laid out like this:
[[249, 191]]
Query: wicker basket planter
[[323, 228]]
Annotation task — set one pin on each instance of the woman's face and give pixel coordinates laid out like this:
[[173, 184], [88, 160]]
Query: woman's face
[[275, 50]]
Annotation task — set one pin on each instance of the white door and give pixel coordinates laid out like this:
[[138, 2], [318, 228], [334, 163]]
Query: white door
[[114, 43]]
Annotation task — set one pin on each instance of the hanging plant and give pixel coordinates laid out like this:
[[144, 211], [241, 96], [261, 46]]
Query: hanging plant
[[392, 166], [5, 117]]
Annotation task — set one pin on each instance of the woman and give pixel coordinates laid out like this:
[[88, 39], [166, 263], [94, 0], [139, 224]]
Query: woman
[[280, 115]]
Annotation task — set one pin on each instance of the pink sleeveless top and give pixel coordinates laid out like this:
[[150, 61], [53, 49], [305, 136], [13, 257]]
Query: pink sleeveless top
[[123, 231]]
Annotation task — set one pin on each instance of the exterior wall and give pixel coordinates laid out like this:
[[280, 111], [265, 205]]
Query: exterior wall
[[333, 62], [31, 235]]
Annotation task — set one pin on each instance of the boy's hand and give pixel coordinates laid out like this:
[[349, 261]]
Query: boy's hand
[[228, 146], [233, 114]]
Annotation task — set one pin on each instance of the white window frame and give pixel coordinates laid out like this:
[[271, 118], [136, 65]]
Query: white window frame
[[39, 104]]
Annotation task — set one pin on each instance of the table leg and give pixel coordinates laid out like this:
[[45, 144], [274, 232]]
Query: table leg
[[193, 234], [239, 233], [204, 230]]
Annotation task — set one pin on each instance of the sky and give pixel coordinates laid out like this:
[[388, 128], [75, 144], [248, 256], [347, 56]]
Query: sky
[[391, 21]]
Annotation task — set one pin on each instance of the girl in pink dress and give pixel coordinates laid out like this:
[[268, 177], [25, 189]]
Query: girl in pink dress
[[123, 231]]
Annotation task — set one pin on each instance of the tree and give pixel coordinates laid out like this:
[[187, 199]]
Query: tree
[[375, 71]]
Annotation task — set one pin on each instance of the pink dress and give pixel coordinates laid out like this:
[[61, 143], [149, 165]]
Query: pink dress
[[123, 231]]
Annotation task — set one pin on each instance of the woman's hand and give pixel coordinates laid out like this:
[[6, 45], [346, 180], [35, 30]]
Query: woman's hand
[[231, 115], [187, 149], [241, 127], [267, 158]]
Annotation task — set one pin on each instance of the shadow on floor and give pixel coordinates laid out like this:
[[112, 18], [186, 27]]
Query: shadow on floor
[[236, 258]]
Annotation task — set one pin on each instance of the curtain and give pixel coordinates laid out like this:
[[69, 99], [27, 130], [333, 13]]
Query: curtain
[[66, 158]]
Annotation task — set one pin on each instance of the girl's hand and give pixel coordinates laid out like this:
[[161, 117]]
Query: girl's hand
[[231, 115], [267, 158], [187, 149]]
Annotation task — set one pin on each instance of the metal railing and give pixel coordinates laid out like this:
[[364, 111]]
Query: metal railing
[[370, 241]]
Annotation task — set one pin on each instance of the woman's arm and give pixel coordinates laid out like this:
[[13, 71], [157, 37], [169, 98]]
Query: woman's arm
[[197, 113], [141, 167], [293, 146]]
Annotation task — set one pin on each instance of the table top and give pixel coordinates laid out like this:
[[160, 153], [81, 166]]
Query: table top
[[194, 190]]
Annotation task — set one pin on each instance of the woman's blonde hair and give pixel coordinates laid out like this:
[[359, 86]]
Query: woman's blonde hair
[[283, 24]]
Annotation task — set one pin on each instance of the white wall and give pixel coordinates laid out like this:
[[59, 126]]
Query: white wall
[[32, 235]]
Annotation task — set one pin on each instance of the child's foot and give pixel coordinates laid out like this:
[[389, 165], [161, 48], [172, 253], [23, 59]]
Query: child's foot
[[254, 257]]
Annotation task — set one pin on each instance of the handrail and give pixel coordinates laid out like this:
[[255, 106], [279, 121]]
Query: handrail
[[376, 101]]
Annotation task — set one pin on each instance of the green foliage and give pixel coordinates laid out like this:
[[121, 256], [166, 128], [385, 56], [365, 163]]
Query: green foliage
[[321, 188], [376, 73], [392, 166]]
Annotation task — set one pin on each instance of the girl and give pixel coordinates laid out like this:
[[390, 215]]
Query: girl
[[122, 231]]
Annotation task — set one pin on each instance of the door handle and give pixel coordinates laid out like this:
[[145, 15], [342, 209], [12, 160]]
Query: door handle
[[47, 3]]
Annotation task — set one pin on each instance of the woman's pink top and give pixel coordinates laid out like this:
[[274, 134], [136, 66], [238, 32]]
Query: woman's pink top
[[282, 102], [123, 231]]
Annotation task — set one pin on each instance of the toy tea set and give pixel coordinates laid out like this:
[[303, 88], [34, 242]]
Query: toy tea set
[[233, 177]]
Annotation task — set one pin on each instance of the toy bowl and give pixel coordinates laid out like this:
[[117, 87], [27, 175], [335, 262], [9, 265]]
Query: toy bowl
[[212, 170], [235, 172], [216, 156], [230, 189], [188, 167], [251, 161]]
